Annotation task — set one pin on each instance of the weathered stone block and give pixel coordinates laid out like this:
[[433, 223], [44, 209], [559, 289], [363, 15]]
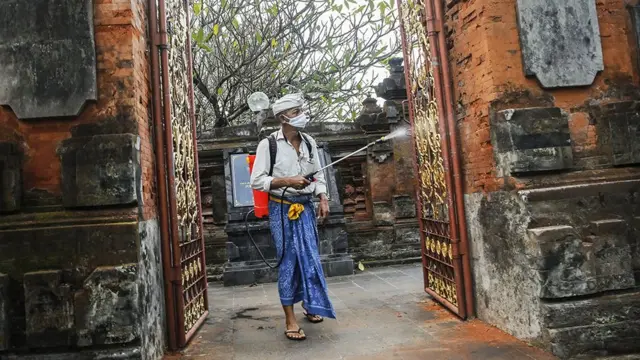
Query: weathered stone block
[[618, 130], [407, 235], [100, 170], [596, 340], [49, 309], [10, 176], [635, 244], [383, 213], [47, 57], [531, 140], [75, 248], [5, 329], [108, 307], [601, 310], [570, 266], [560, 41], [404, 207]]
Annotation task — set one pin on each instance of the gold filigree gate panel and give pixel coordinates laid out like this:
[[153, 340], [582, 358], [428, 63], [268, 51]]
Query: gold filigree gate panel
[[193, 306], [442, 269]]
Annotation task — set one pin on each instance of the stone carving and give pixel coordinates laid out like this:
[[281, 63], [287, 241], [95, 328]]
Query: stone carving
[[560, 41], [393, 87], [530, 140], [47, 73], [49, 309], [10, 177], [354, 199], [381, 152], [100, 170]]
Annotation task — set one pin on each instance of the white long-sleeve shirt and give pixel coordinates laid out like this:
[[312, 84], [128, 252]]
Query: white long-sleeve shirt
[[288, 164]]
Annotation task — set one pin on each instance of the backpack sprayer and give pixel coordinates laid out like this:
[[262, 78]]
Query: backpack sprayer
[[258, 102]]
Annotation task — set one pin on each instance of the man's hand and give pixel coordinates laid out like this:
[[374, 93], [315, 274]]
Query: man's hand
[[323, 211], [298, 182]]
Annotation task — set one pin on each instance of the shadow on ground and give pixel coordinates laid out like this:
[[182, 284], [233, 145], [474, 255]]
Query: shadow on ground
[[382, 314]]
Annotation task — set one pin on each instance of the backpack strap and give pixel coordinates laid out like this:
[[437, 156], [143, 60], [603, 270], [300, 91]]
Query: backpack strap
[[273, 150], [308, 142]]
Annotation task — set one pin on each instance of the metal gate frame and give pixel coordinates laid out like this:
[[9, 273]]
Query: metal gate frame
[[445, 256], [180, 206]]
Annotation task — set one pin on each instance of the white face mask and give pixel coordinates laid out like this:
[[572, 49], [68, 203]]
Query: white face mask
[[300, 121]]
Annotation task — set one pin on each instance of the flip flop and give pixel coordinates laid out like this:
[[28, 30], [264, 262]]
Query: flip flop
[[314, 319], [299, 331]]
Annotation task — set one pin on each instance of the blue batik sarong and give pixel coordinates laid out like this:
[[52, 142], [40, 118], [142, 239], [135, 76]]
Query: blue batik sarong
[[300, 276]]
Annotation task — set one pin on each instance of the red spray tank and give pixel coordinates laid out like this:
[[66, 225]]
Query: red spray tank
[[260, 198]]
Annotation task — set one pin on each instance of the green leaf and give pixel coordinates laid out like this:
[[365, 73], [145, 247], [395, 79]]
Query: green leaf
[[199, 36], [216, 29], [274, 42], [360, 266], [259, 36], [197, 7], [219, 91], [223, 4], [273, 10], [234, 22]]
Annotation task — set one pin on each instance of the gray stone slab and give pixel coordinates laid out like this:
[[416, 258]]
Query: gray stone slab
[[108, 307], [48, 309], [569, 265], [47, 57], [560, 41], [100, 170], [531, 140], [404, 207]]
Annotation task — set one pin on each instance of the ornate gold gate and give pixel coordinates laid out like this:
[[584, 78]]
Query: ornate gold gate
[[183, 245], [436, 206]]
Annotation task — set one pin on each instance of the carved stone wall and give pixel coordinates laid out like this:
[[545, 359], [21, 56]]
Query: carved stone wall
[[80, 268], [550, 168]]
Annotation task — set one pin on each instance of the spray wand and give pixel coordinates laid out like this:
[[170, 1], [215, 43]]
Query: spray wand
[[311, 177]]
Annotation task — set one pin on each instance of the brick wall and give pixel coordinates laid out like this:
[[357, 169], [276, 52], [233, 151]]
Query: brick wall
[[487, 70], [123, 100]]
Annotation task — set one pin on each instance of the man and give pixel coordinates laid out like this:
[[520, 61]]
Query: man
[[300, 276]]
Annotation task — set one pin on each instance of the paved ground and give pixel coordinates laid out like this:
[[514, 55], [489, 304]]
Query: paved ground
[[382, 314]]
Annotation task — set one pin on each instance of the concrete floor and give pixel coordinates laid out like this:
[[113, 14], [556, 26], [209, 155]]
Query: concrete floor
[[383, 313]]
